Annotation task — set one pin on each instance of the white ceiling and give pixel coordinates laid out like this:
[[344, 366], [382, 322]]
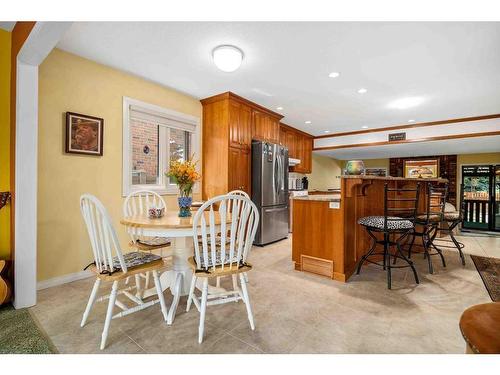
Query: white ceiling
[[8, 26], [453, 66], [448, 147]]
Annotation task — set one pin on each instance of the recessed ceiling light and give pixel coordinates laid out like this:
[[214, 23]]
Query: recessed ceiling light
[[326, 131], [364, 127], [405, 103], [227, 58], [308, 122], [279, 108], [411, 120], [333, 74], [362, 90]]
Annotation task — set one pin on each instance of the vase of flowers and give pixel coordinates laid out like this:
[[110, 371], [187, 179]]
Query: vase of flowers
[[184, 174]]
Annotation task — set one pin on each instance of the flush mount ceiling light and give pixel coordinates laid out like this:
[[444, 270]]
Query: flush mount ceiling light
[[333, 74], [308, 122], [279, 108], [362, 91], [411, 120], [326, 131], [227, 58], [405, 103], [364, 127]]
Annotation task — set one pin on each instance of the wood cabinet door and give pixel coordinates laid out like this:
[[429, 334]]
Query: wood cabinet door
[[245, 126], [291, 141], [233, 175], [307, 165], [259, 125], [239, 169], [234, 124], [283, 133], [273, 129], [245, 170]]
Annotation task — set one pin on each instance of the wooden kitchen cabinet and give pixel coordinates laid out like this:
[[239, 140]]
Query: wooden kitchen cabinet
[[265, 127], [230, 122], [299, 146]]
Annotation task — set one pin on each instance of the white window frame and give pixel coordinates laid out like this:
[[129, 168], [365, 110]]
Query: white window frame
[[162, 188]]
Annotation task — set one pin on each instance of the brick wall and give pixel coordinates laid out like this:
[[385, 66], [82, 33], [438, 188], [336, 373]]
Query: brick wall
[[144, 134]]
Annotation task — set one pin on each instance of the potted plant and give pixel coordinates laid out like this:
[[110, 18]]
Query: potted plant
[[184, 174]]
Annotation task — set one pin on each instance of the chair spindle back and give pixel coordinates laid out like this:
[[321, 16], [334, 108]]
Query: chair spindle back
[[400, 203]]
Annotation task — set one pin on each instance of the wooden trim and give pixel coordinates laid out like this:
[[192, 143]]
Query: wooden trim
[[316, 265], [410, 126], [288, 127], [416, 140], [233, 96]]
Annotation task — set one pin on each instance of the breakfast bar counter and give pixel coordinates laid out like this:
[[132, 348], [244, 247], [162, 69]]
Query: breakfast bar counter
[[327, 239]]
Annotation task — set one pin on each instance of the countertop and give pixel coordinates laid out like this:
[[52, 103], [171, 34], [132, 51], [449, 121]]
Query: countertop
[[389, 178], [322, 198]]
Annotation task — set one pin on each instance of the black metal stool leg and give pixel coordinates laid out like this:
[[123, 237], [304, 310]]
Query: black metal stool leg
[[411, 244], [387, 260], [363, 258], [431, 242], [400, 251], [426, 251], [456, 243]]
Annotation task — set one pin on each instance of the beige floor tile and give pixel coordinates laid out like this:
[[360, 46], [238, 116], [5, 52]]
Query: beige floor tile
[[294, 312]]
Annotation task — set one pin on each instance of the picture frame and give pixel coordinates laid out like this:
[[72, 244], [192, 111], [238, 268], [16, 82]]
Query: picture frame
[[421, 168], [84, 134], [381, 172]]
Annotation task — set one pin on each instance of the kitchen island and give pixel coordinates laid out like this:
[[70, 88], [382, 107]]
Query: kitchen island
[[327, 239]]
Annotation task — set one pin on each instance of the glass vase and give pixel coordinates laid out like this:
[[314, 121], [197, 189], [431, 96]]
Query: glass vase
[[185, 204]]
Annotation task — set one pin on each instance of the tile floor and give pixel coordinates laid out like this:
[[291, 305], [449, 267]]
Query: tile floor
[[294, 312]]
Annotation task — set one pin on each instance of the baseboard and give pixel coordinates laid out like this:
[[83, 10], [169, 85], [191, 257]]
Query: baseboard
[[60, 280]]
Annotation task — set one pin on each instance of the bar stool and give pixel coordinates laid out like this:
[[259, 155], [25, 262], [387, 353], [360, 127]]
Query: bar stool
[[400, 209], [430, 221], [450, 221]]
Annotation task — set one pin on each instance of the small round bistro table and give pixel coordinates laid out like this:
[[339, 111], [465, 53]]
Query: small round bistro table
[[180, 231]]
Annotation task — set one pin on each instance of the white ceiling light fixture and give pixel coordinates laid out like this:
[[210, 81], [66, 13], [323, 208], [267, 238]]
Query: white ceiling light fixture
[[326, 131], [364, 127], [333, 74], [227, 58], [362, 91], [405, 103], [279, 108], [410, 121], [308, 122]]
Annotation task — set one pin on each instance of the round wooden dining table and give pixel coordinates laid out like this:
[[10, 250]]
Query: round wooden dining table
[[180, 231]]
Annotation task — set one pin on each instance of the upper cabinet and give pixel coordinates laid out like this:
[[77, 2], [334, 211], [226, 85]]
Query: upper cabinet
[[230, 122], [299, 146], [266, 127]]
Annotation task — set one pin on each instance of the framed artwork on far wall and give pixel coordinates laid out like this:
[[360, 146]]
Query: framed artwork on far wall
[[421, 168], [84, 134], [381, 172]]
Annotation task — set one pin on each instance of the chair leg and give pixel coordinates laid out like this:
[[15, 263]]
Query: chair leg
[[431, 241], [109, 314], [411, 244], [217, 283], [91, 301], [146, 283], [138, 291], [400, 251], [175, 301], [426, 251], [363, 258], [203, 310], [161, 297], [387, 262], [235, 281], [457, 245], [246, 297], [191, 293]]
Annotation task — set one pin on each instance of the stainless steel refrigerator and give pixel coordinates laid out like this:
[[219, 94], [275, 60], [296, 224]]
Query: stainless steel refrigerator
[[270, 190]]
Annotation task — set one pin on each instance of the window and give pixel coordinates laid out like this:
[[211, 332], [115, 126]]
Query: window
[[152, 137]]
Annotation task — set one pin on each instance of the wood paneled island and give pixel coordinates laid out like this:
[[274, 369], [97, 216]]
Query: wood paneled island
[[327, 239]]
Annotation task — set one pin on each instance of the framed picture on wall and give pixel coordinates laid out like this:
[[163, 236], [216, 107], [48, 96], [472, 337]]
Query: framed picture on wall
[[381, 172], [421, 168], [84, 134]]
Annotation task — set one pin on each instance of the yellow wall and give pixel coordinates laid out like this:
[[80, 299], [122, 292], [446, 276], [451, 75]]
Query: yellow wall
[[70, 83], [5, 46], [325, 173], [372, 163]]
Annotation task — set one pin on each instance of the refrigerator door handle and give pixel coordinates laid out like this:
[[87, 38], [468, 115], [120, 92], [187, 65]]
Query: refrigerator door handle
[[275, 209]]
